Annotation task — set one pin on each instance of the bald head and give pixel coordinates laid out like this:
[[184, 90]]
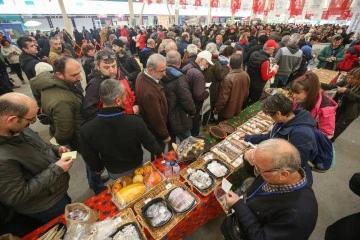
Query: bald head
[[150, 43], [280, 153], [16, 104]]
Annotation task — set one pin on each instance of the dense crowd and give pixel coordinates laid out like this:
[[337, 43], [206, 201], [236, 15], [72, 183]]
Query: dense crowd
[[149, 87]]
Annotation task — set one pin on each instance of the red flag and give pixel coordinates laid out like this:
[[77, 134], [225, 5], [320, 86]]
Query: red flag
[[235, 6], [149, 2], [344, 15], [325, 15], [170, 2], [258, 6], [214, 3], [197, 3], [182, 2], [272, 5], [296, 7], [337, 7], [159, 1], [266, 12], [308, 16]]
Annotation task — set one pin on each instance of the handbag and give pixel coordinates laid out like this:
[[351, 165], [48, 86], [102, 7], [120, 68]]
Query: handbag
[[230, 228]]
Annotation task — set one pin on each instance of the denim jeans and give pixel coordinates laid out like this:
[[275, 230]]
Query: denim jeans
[[94, 180], [280, 81], [56, 210]]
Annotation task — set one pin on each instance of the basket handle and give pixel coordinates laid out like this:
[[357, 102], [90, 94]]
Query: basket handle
[[141, 222]]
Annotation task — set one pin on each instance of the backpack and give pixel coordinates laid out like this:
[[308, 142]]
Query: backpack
[[325, 158]]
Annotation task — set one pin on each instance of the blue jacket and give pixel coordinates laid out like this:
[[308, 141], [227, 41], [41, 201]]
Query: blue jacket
[[299, 132], [182, 47]]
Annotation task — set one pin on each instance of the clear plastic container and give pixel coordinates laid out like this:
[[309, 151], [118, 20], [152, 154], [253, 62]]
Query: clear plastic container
[[176, 171], [168, 172]]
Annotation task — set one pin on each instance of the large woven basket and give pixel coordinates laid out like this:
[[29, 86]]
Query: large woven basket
[[200, 164], [160, 191]]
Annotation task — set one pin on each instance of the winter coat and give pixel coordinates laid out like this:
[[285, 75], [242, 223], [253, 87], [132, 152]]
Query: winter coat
[[27, 64], [153, 105], [129, 132], [350, 61], [213, 75], [196, 81], [252, 49], [30, 181], [88, 66], [324, 114], [257, 83], [289, 59], [328, 52], [142, 41], [180, 103], [145, 54], [189, 59], [299, 132], [181, 47], [129, 68], [234, 90], [12, 53], [350, 101], [62, 102]]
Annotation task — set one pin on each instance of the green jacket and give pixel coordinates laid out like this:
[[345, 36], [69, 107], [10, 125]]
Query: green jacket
[[62, 102], [30, 181], [327, 52]]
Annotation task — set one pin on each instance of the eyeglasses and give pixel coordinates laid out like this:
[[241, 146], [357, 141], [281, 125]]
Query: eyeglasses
[[112, 56], [32, 120], [257, 172]]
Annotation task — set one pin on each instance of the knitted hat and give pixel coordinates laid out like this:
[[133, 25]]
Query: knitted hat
[[118, 43], [43, 67]]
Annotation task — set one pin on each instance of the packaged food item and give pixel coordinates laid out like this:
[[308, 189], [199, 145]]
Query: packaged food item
[[201, 179], [130, 193], [191, 148], [180, 200], [79, 213], [152, 179], [216, 168], [157, 212], [128, 231]]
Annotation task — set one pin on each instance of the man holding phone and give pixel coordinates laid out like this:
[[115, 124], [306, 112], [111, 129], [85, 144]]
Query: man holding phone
[[34, 182]]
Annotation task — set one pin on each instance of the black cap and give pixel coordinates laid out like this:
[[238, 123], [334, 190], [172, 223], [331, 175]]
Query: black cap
[[118, 42]]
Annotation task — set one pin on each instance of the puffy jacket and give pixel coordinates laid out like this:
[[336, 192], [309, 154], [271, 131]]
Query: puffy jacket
[[62, 102], [30, 181], [196, 81], [327, 52], [350, 61], [145, 54], [180, 103], [299, 132], [254, 70], [27, 64], [233, 92], [324, 113], [12, 53], [289, 59]]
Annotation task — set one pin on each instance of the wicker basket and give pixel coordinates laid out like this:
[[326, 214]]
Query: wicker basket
[[160, 191], [200, 164], [110, 184], [326, 76], [128, 216]]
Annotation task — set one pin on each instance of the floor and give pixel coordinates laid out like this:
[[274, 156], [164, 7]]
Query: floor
[[334, 197]]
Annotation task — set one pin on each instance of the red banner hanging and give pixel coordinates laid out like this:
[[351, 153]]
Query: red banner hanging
[[337, 7], [197, 3], [308, 16], [170, 2], [159, 1], [235, 6], [182, 2], [272, 5], [344, 15], [149, 2], [214, 3], [325, 15], [296, 7], [258, 6]]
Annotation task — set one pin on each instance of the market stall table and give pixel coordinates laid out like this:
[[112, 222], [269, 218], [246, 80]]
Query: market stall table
[[208, 209]]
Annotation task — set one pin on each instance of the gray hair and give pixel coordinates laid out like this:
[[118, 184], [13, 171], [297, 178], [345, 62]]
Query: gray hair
[[178, 40], [102, 53], [212, 48], [153, 60], [54, 39], [282, 153], [124, 40], [110, 90], [170, 46], [285, 39], [192, 49], [173, 57], [112, 37], [197, 42], [294, 38]]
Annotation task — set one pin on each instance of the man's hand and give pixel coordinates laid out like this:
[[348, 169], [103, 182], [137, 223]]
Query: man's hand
[[136, 109], [329, 59], [250, 156], [65, 163], [231, 198], [62, 150], [167, 140], [341, 90]]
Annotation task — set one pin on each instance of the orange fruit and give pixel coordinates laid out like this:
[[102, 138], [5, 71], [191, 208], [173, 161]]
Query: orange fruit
[[116, 187]]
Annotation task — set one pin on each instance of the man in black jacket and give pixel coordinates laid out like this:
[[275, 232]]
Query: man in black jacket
[[127, 64], [279, 204], [180, 103], [113, 140], [147, 52], [28, 58]]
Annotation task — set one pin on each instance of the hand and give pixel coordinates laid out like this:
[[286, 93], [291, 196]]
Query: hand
[[62, 150], [250, 156], [65, 163], [136, 109], [341, 90], [328, 59], [333, 58], [167, 140], [231, 198], [45, 59]]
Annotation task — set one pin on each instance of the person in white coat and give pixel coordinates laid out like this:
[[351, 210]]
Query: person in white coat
[[12, 53]]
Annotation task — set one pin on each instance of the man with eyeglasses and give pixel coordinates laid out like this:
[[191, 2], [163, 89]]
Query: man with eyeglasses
[[331, 55], [34, 182], [279, 204], [28, 58]]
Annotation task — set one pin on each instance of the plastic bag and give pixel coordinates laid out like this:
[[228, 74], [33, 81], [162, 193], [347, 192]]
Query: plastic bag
[[90, 217], [191, 148]]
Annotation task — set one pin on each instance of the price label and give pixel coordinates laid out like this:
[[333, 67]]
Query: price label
[[168, 186], [147, 200], [190, 170]]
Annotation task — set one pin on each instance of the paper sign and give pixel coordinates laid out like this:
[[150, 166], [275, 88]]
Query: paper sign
[[226, 185], [189, 170], [147, 200], [168, 186], [53, 141], [72, 154]]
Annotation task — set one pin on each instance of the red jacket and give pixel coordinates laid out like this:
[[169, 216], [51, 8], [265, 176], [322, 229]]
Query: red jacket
[[324, 113], [142, 41], [349, 62]]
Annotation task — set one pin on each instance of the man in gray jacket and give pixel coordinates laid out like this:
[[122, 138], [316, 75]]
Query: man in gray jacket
[[33, 182], [289, 59]]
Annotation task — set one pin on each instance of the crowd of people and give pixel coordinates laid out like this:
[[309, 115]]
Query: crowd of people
[[148, 88]]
